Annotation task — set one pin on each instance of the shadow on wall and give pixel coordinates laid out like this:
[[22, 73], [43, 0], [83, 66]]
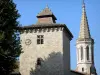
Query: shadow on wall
[[53, 65]]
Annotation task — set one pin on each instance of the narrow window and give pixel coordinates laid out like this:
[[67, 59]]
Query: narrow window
[[81, 53], [82, 69], [40, 39], [87, 52], [92, 53]]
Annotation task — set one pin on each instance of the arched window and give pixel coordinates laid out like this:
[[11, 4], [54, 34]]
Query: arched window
[[81, 53], [87, 52]]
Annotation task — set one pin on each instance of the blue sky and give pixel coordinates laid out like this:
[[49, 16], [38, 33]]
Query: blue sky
[[67, 12]]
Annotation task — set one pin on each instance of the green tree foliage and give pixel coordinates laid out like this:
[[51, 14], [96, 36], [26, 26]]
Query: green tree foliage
[[10, 47]]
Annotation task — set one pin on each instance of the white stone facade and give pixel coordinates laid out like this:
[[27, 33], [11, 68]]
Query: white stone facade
[[55, 52], [84, 63]]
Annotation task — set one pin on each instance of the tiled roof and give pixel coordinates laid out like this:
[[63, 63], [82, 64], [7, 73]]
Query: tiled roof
[[46, 12]]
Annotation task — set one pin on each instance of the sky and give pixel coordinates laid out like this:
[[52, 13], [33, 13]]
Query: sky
[[67, 12]]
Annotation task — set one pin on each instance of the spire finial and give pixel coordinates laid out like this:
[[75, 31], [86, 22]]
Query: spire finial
[[83, 5], [47, 6]]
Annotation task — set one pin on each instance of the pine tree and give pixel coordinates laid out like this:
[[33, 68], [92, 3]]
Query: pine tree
[[10, 47]]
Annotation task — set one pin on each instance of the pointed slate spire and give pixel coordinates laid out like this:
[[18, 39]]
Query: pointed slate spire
[[84, 27]]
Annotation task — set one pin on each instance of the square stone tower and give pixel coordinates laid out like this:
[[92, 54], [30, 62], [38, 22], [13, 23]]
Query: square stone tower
[[46, 47]]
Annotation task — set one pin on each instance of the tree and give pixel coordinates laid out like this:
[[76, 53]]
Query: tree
[[10, 47]]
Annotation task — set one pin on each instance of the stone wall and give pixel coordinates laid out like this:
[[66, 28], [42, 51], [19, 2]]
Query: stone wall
[[66, 53], [51, 52]]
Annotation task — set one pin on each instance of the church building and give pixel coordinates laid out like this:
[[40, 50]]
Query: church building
[[46, 47]]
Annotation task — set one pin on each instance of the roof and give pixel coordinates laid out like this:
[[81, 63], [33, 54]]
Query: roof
[[38, 26], [84, 27], [46, 12]]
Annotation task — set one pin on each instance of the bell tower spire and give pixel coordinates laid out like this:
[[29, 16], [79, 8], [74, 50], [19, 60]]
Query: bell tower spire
[[85, 46], [84, 27]]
